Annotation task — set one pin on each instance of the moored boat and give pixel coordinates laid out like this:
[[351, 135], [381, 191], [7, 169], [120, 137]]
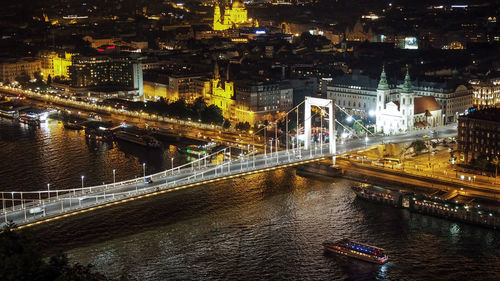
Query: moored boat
[[143, 140], [73, 126], [357, 250], [198, 150]]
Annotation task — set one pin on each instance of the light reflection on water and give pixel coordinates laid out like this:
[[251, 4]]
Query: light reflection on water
[[271, 226], [262, 227]]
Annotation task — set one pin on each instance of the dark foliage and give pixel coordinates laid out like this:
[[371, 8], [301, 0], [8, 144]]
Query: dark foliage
[[20, 259]]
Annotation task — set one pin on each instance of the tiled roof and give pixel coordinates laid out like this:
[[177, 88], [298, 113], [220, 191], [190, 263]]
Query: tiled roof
[[422, 104]]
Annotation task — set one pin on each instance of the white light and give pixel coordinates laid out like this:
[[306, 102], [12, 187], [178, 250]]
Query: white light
[[371, 113], [349, 118]]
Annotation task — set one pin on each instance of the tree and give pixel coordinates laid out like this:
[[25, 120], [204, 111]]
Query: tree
[[358, 126], [242, 126], [226, 124], [20, 259], [199, 107], [481, 163], [418, 145], [23, 79], [38, 76]]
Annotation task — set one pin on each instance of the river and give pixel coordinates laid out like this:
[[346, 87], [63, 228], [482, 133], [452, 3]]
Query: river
[[261, 227]]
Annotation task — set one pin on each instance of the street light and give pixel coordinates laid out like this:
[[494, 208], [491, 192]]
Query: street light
[[82, 181], [144, 170], [172, 159], [114, 178], [48, 189]]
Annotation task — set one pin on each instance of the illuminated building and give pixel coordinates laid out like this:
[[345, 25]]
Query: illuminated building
[[12, 68], [231, 17], [55, 64], [258, 101], [357, 93], [181, 86], [478, 134], [222, 93], [153, 91], [103, 71], [404, 112], [486, 93], [358, 33]]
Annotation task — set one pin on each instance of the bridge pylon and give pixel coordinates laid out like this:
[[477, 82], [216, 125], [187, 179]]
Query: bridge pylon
[[322, 103]]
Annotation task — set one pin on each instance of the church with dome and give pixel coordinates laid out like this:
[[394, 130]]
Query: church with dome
[[233, 16]]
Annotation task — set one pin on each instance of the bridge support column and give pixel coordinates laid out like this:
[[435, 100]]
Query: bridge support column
[[307, 124], [309, 101]]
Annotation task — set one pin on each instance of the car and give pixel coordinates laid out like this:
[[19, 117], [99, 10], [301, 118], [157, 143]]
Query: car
[[425, 136], [148, 180]]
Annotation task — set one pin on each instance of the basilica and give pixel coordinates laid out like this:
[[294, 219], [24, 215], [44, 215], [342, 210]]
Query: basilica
[[234, 16]]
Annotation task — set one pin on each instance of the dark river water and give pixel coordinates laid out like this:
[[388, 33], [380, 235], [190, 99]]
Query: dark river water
[[261, 227]]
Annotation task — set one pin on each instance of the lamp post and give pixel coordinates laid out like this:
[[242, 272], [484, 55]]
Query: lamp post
[[253, 154], [271, 148], [172, 159], [144, 170], [48, 190], [82, 181], [114, 178]]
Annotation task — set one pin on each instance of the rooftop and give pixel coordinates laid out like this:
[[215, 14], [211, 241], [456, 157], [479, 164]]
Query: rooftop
[[424, 104], [488, 114]]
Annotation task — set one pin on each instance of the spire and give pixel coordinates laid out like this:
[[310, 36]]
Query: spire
[[216, 71], [382, 84], [407, 87]]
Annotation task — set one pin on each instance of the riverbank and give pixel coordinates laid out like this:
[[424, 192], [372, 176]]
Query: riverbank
[[182, 128]]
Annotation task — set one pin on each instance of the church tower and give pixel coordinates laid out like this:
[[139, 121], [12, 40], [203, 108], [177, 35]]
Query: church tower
[[217, 25], [406, 103], [382, 94]]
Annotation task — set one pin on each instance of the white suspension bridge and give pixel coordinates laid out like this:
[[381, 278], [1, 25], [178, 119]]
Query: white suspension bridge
[[28, 208]]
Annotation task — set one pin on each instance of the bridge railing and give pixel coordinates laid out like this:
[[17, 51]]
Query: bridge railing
[[184, 175]]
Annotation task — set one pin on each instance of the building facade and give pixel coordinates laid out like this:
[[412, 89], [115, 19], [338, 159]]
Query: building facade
[[258, 101], [103, 71], [486, 93], [13, 68], [358, 95], [232, 17], [396, 114], [479, 134], [55, 64]]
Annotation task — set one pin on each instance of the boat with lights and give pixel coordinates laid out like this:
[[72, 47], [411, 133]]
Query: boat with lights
[[144, 140], [198, 150], [357, 250]]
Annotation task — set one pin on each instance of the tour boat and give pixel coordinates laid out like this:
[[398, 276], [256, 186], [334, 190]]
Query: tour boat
[[198, 150], [356, 250]]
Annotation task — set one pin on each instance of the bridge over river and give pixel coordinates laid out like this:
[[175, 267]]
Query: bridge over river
[[29, 208]]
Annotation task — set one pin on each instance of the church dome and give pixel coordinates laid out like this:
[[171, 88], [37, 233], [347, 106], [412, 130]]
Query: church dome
[[238, 4]]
